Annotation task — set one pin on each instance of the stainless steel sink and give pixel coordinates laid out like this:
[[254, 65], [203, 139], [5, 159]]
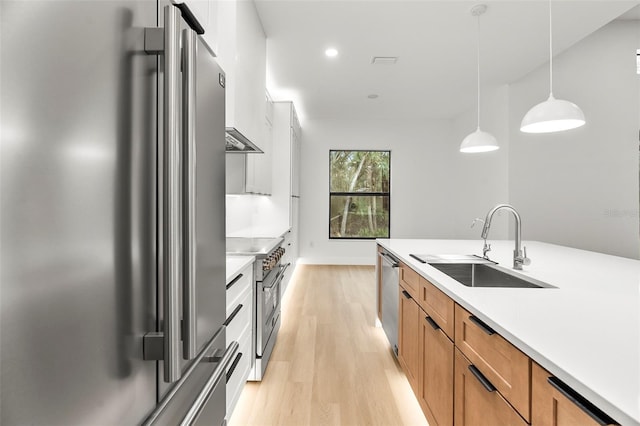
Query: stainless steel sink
[[484, 275]]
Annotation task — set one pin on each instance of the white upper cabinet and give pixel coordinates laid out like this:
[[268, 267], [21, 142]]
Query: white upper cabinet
[[206, 12], [286, 161], [241, 50], [258, 179]]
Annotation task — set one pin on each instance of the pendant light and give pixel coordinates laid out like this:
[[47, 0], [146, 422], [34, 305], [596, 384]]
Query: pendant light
[[552, 115], [479, 141]]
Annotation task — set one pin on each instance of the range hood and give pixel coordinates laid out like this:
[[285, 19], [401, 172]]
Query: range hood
[[238, 143]]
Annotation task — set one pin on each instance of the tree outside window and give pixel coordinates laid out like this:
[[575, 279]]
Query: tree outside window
[[359, 194]]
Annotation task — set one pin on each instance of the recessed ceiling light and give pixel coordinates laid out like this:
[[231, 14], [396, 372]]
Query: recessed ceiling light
[[331, 52], [372, 96]]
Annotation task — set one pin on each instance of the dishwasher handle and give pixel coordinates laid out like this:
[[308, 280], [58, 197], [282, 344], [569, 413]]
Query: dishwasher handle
[[390, 260]]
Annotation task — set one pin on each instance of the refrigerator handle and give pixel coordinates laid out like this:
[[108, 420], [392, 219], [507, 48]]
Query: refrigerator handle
[[216, 375], [189, 334], [171, 195], [207, 391]]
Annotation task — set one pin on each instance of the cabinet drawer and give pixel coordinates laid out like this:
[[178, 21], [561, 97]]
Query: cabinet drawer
[[238, 285], [555, 404], [239, 316], [410, 280], [438, 305], [237, 376], [475, 402], [508, 369]]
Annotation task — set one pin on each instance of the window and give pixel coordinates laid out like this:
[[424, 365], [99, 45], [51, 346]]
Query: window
[[359, 195]]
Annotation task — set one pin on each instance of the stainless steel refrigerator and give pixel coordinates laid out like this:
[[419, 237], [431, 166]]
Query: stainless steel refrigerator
[[112, 216]]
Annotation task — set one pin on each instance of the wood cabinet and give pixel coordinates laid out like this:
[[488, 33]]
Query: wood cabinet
[[410, 280], [508, 369], [435, 393], [476, 401], [438, 305], [464, 373], [408, 337], [556, 404]]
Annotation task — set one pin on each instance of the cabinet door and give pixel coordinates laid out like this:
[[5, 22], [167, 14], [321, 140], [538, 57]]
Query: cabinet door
[[295, 162], [260, 166], [408, 337], [477, 403], [436, 373], [555, 404]]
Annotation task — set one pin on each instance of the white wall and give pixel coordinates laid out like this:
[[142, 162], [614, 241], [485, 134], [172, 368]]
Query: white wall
[[580, 188], [435, 191], [486, 171]]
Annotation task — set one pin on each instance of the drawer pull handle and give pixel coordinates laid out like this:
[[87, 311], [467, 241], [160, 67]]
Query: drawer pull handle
[[432, 323], [483, 380], [233, 315], [589, 409], [482, 325], [233, 366], [235, 280], [405, 294]]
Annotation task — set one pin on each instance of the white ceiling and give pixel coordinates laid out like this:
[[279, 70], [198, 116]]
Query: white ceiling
[[435, 42]]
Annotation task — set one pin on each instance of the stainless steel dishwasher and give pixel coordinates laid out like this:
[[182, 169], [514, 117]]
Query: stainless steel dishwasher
[[390, 282]]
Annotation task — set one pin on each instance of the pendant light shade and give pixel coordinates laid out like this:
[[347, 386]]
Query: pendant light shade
[[552, 115], [479, 141]]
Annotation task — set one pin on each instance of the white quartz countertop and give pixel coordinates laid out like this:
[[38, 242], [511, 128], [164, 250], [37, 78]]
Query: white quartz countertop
[[235, 264], [586, 331]]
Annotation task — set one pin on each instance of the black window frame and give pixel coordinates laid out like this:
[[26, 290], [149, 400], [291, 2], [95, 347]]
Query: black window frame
[[359, 194]]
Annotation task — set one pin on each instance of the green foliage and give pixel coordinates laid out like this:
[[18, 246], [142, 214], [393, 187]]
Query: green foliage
[[358, 173], [372, 177]]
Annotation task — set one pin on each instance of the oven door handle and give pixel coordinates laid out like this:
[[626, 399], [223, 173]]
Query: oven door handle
[[278, 277]]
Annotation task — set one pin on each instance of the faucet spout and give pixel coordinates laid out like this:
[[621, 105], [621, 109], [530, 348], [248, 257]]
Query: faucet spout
[[518, 257]]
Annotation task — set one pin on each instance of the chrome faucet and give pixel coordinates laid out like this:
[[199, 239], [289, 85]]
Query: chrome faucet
[[519, 256]]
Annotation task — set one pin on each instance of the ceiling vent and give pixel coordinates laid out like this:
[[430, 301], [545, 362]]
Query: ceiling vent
[[384, 60]]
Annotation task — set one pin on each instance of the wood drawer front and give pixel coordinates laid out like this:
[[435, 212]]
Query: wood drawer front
[[436, 374], [508, 369], [475, 405], [438, 305], [552, 407], [410, 280]]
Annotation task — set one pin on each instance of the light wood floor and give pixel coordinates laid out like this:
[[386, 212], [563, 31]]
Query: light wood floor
[[331, 365]]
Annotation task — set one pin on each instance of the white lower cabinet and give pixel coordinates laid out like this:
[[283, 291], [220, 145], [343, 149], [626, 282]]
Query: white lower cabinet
[[239, 324]]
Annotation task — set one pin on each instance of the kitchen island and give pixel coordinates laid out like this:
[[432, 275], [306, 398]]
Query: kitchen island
[[585, 331]]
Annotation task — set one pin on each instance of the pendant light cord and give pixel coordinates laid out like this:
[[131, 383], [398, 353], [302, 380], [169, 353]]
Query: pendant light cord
[[550, 52], [478, 63]]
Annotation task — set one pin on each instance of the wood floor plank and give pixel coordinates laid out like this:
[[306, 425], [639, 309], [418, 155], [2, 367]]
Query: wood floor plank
[[330, 365]]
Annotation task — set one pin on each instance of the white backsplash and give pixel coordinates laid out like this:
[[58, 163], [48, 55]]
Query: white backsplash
[[254, 216]]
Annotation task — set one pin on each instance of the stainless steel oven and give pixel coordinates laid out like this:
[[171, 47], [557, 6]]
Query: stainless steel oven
[[267, 317]]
